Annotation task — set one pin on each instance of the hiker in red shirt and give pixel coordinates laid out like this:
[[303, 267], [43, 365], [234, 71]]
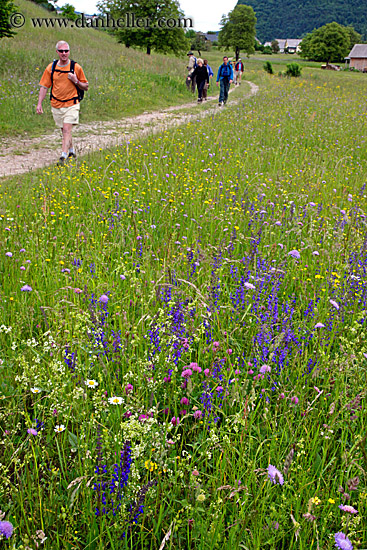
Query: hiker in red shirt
[[68, 84], [239, 68]]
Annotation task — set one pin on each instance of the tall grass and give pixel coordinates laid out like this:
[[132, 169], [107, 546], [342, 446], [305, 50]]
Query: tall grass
[[197, 298]]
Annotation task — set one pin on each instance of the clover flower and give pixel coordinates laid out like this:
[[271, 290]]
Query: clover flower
[[129, 388], [275, 475]]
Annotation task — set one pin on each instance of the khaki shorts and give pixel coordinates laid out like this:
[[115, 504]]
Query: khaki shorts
[[66, 115]]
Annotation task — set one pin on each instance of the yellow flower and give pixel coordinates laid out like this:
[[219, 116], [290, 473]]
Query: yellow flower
[[331, 500], [316, 501]]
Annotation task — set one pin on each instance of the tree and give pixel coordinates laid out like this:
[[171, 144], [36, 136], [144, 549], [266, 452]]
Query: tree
[[354, 37], [238, 30], [275, 46], [6, 9], [68, 11], [151, 24], [329, 43]]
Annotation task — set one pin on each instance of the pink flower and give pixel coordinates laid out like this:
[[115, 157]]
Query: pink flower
[[347, 508], [198, 414], [129, 388], [295, 400], [282, 396], [206, 372], [32, 431], [264, 369], [184, 401], [186, 373], [175, 421], [229, 351]]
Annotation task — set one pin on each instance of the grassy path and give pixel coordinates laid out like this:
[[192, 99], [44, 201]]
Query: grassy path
[[20, 156]]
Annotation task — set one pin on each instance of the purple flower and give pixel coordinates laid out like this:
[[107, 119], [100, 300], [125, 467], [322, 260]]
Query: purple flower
[[319, 325], [274, 475], [198, 414], [103, 299], [249, 286], [347, 508], [264, 369], [22, 250], [315, 253], [335, 304], [184, 401], [342, 541], [8, 254], [26, 288], [32, 431], [294, 254], [6, 529], [122, 277], [295, 400], [175, 421], [129, 388]]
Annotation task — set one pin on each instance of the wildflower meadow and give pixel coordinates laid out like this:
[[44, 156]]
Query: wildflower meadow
[[182, 333]]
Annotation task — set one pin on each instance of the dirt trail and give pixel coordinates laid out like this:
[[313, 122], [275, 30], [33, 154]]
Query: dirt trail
[[20, 156]]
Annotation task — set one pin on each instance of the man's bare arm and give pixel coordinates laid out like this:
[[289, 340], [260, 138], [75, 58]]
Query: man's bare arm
[[41, 97]]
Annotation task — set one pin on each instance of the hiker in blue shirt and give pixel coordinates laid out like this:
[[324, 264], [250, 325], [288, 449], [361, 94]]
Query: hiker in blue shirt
[[225, 77]]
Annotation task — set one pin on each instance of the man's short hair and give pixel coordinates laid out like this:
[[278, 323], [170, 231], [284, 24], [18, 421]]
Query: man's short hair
[[225, 57], [62, 42]]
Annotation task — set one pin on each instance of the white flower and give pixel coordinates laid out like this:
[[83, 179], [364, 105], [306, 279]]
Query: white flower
[[115, 400], [36, 390], [91, 383], [59, 428]]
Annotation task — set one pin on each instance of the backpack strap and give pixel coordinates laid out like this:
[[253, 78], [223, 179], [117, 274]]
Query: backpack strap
[[72, 70]]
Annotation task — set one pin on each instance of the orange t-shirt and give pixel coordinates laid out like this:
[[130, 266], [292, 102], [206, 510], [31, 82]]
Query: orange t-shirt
[[62, 88]]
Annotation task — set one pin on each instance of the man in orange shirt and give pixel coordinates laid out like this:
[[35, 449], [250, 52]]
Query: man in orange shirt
[[65, 103]]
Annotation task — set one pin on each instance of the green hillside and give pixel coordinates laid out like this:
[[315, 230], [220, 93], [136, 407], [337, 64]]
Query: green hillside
[[122, 81], [295, 18]]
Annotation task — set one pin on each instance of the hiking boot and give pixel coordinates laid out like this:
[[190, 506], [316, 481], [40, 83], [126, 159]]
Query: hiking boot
[[220, 104], [200, 100], [72, 156], [61, 161]]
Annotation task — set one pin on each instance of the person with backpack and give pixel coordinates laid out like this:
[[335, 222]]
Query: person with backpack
[[192, 64], [210, 74], [68, 83], [239, 68], [225, 78], [201, 75]]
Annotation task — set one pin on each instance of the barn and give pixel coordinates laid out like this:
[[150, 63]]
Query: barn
[[358, 57]]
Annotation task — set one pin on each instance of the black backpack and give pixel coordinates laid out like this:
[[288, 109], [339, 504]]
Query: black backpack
[[80, 93]]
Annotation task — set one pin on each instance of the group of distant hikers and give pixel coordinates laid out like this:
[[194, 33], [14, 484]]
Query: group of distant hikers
[[67, 83], [200, 73]]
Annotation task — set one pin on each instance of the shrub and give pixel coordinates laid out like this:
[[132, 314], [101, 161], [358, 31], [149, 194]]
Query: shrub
[[268, 67], [293, 69]]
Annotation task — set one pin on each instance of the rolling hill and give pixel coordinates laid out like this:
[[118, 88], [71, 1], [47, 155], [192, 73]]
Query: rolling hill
[[295, 18]]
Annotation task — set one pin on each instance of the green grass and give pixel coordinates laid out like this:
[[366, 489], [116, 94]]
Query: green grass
[[188, 234]]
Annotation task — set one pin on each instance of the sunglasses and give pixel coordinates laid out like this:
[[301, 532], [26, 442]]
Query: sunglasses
[[63, 51]]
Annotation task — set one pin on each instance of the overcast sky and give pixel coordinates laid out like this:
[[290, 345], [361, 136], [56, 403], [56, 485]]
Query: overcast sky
[[206, 14]]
